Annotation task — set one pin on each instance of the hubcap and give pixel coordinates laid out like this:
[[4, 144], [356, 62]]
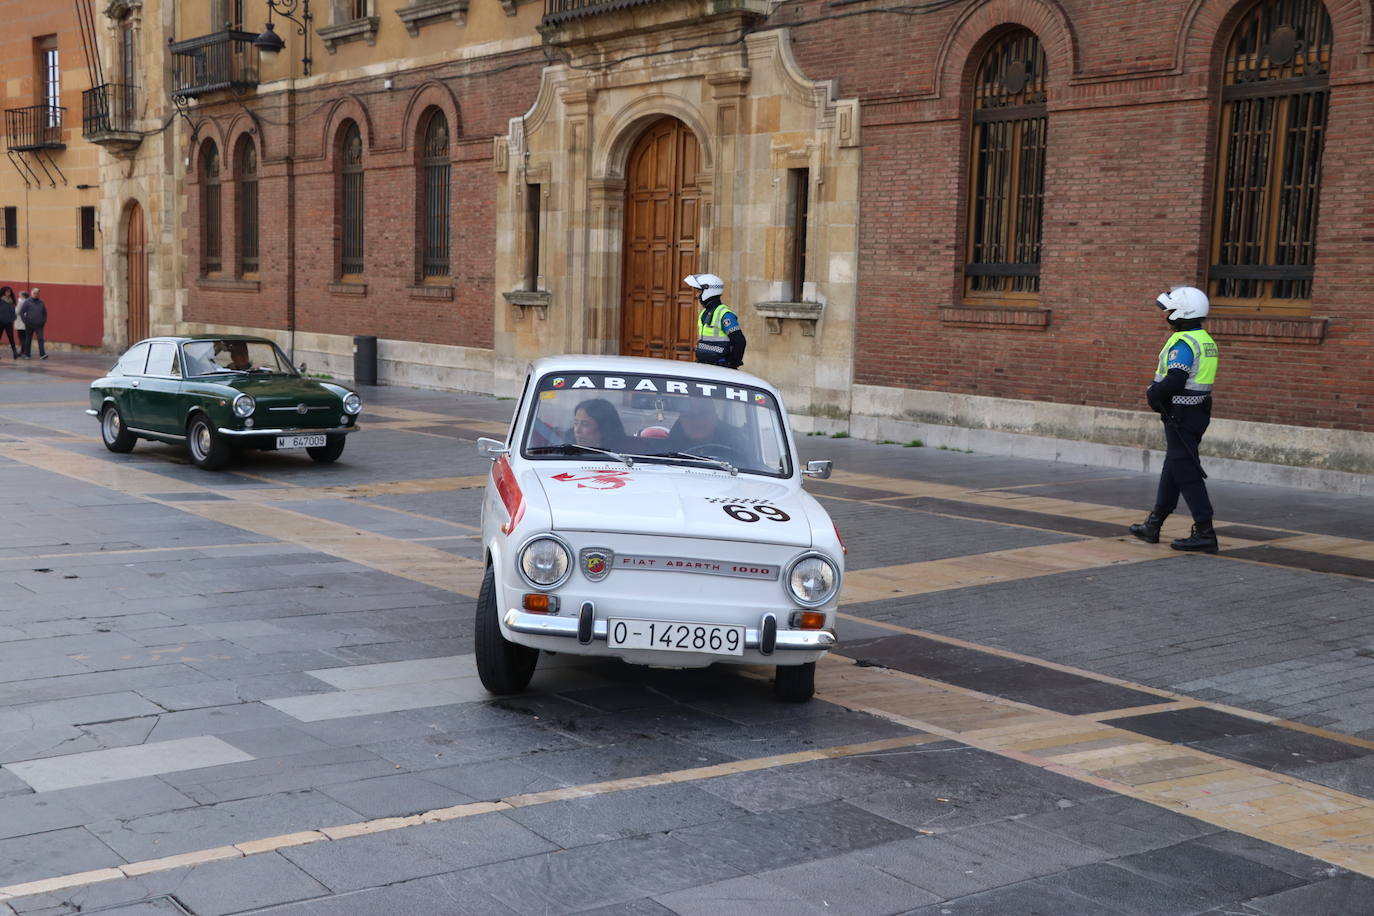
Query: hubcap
[[200, 437], [111, 424]]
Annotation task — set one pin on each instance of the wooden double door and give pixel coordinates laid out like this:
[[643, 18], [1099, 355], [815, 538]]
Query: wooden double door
[[658, 314]]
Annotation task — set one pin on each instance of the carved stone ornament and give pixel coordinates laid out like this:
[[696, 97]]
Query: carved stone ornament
[[118, 9], [365, 28], [425, 13], [774, 313], [537, 299]]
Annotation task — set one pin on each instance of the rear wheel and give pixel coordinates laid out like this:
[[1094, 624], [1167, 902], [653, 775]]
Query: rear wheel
[[503, 666], [331, 450], [207, 448], [112, 430], [795, 683]]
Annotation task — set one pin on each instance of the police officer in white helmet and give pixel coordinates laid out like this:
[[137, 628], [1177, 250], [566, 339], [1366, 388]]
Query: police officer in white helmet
[[1182, 394], [720, 342]]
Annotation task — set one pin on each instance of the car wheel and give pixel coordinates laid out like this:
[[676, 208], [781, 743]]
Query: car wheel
[[112, 430], [503, 666], [795, 683], [207, 448], [330, 451]]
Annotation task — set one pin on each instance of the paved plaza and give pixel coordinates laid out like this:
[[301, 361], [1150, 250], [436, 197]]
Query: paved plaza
[[252, 691]]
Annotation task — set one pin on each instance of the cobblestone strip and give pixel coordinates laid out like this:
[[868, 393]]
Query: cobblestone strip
[[456, 812], [1284, 810]]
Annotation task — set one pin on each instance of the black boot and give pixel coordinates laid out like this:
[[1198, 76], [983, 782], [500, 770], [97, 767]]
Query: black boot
[[1203, 539], [1148, 530]]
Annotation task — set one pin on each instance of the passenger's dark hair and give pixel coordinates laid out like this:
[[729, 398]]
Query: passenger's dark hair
[[607, 421], [6, 289]]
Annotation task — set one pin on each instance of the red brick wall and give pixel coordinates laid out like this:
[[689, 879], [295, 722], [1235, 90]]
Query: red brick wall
[[1127, 205]]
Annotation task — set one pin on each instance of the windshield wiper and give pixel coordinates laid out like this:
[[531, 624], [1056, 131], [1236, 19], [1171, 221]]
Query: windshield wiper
[[221, 371], [687, 456], [571, 448]]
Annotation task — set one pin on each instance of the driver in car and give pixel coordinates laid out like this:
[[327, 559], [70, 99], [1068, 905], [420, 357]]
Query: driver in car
[[699, 425], [238, 355]]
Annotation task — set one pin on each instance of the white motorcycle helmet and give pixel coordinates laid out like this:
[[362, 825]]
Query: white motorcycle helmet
[[1183, 302], [709, 284]]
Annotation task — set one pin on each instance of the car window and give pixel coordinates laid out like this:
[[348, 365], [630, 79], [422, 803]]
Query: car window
[[132, 362], [656, 416], [214, 357], [162, 359]]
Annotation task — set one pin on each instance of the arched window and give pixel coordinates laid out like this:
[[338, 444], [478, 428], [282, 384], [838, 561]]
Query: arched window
[[247, 181], [211, 250], [1007, 171], [1274, 95], [434, 202], [351, 199]]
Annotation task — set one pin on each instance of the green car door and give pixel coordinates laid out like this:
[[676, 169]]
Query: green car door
[[156, 401]]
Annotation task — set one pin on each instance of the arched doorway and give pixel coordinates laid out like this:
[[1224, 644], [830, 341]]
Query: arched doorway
[[136, 273], [658, 315]]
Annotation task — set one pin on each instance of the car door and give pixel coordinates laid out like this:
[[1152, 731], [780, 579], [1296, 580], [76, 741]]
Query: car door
[[157, 399], [125, 378]]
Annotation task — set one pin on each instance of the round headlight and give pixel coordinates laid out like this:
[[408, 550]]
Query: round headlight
[[244, 405], [352, 403], [545, 562], [812, 580]]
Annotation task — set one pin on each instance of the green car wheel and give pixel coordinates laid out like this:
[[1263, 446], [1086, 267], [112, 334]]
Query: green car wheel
[[331, 450], [205, 445], [112, 431]]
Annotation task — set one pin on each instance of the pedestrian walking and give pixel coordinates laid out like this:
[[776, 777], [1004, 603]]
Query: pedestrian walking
[[720, 342], [34, 311], [20, 326], [9, 312], [1182, 394]]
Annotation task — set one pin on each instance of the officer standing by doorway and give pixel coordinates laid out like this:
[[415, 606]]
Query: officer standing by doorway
[[720, 342], [1182, 394]]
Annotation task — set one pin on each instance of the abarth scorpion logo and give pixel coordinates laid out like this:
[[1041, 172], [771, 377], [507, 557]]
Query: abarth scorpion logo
[[596, 563]]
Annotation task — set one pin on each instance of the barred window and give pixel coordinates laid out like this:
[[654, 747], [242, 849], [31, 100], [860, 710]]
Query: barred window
[[1274, 98], [351, 199], [1007, 171], [85, 238], [434, 207], [211, 260], [248, 207]]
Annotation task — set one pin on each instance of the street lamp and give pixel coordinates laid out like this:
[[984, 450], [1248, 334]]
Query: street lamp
[[270, 44]]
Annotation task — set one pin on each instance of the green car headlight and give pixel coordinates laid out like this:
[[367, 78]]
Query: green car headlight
[[244, 405], [352, 404]]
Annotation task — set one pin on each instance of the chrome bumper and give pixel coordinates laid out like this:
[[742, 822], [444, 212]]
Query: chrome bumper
[[285, 432], [567, 626], [92, 412]]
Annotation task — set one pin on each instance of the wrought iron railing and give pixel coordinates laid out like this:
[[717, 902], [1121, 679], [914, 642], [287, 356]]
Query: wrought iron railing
[[224, 60], [108, 108], [556, 11], [34, 127]]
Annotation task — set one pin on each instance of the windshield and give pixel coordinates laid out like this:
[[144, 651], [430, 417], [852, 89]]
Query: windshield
[[211, 357], [664, 419]]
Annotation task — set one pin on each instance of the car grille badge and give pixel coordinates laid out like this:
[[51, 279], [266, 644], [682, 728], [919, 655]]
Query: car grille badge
[[596, 562]]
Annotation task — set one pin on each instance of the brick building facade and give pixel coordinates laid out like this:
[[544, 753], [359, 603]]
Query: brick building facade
[[831, 178]]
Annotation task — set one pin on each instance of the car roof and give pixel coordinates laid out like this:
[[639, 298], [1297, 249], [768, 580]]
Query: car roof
[[642, 365], [174, 338]]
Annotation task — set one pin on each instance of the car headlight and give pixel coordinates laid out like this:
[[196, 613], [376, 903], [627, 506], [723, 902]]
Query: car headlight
[[244, 405], [545, 562], [352, 403], [812, 580]]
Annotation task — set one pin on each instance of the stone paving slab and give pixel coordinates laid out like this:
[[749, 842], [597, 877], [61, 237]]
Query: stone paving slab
[[117, 764]]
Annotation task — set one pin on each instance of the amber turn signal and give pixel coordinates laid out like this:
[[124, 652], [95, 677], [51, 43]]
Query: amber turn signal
[[810, 620], [540, 604]]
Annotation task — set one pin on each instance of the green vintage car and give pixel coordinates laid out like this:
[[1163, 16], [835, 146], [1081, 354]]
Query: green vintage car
[[219, 394]]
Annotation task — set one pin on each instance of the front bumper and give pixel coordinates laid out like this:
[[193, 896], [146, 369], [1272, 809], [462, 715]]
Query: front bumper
[[224, 431], [587, 632]]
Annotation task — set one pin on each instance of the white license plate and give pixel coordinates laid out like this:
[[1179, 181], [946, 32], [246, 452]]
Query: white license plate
[[299, 441], [674, 636]]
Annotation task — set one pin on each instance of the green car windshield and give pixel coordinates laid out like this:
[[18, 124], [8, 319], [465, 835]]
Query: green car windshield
[[216, 357]]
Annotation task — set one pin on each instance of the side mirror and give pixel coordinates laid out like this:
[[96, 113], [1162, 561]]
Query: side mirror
[[491, 448], [818, 469]]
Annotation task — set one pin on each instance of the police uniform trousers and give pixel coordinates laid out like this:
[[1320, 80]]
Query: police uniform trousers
[[1182, 472]]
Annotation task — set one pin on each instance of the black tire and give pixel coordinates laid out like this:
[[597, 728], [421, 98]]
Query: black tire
[[205, 446], [113, 433], [331, 450], [503, 666], [795, 683]]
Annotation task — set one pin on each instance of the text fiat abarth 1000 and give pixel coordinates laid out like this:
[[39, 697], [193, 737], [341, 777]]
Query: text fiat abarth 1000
[[219, 394], [652, 510]]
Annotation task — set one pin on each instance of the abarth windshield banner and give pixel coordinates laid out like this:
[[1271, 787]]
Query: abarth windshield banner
[[657, 384]]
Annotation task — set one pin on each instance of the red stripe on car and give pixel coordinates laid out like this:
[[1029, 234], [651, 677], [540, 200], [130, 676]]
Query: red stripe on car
[[511, 495]]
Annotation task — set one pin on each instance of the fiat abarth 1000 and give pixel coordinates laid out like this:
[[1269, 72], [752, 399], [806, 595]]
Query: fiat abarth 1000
[[652, 510], [217, 395]]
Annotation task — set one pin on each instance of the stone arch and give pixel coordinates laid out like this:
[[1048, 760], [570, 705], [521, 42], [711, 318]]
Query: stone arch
[[347, 108], [628, 124], [1207, 25], [245, 124], [981, 23], [431, 94]]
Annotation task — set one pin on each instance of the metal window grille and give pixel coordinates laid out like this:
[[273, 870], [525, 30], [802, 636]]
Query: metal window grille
[[213, 261], [359, 9], [1275, 95], [1007, 180], [86, 239], [437, 169], [351, 180], [248, 209]]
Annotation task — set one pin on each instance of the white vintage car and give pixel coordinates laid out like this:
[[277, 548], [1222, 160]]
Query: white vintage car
[[652, 510]]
